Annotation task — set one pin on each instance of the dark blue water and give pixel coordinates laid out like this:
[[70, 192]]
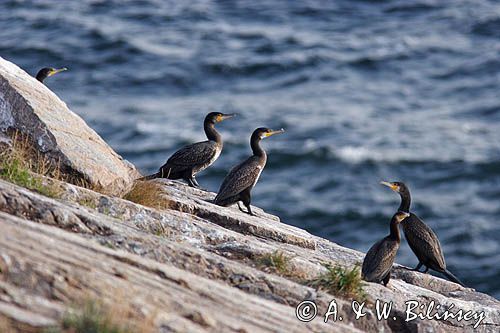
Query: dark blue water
[[367, 91]]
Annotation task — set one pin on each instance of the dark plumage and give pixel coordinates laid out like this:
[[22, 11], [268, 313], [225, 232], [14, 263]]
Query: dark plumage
[[420, 237], [242, 178], [379, 259], [189, 160], [48, 71]]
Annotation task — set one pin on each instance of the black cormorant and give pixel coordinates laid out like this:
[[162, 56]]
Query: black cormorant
[[189, 160], [420, 237], [380, 257], [242, 178], [48, 71]]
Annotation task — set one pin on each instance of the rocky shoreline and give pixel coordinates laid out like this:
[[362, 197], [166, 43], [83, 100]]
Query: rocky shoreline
[[184, 266]]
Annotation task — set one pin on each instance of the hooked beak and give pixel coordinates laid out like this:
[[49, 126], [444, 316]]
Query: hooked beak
[[54, 72], [393, 187], [401, 216], [268, 134], [227, 116]]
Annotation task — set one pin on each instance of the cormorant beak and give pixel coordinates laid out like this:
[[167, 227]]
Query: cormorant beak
[[393, 187], [268, 134], [55, 71], [226, 116], [401, 216]]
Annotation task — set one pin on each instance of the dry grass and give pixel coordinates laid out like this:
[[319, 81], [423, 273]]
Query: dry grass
[[95, 317], [5, 325], [148, 194], [22, 149], [340, 281], [24, 166]]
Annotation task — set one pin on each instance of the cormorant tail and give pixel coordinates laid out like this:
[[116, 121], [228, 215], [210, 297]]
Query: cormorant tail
[[153, 176], [452, 277]]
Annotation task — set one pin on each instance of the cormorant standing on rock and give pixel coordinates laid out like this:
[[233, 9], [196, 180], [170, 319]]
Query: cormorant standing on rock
[[189, 160], [242, 178], [379, 259], [420, 237], [48, 71]]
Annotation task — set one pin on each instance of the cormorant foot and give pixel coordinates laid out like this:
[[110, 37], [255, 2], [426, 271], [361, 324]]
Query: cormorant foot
[[250, 211], [195, 182], [417, 269]]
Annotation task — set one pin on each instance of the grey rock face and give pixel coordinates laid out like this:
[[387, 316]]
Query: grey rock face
[[30, 108], [97, 241]]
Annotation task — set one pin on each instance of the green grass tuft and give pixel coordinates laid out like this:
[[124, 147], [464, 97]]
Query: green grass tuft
[[12, 169], [276, 261], [340, 281], [24, 166], [88, 202]]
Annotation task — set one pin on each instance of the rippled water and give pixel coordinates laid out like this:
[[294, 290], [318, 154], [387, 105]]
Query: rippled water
[[367, 90]]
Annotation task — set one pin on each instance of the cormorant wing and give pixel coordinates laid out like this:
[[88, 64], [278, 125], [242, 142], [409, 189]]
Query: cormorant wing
[[239, 178], [422, 239], [193, 154], [379, 259]]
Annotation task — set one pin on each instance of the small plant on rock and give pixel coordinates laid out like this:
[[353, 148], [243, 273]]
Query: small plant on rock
[[95, 317], [23, 167], [340, 280], [276, 261]]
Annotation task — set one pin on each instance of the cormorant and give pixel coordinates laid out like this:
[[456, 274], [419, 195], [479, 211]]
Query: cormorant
[[380, 257], [48, 71], [242, 178], [420, 237], [189, 160]]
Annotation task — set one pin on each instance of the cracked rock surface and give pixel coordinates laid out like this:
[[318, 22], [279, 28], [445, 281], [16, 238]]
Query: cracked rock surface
[[190, 267]]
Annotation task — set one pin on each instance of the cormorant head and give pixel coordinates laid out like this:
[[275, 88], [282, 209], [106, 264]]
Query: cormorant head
[[263, 132], [400, 216], [217, 117], [48, 71], [398, 187]]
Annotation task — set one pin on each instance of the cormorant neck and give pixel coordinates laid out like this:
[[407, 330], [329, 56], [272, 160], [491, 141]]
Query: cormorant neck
[[395, 231], [405, 202], [256, 148], [211, 132], [40, 76]]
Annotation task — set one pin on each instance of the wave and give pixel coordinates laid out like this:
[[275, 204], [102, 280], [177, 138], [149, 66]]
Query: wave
[[374, 62], [489, 27], [369, 155], [411, 8], [481, 66], [253, 67]]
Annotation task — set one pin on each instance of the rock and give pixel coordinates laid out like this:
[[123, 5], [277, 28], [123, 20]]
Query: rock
[[181, 301], [220, 257], [28, 107], [197, 202]]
